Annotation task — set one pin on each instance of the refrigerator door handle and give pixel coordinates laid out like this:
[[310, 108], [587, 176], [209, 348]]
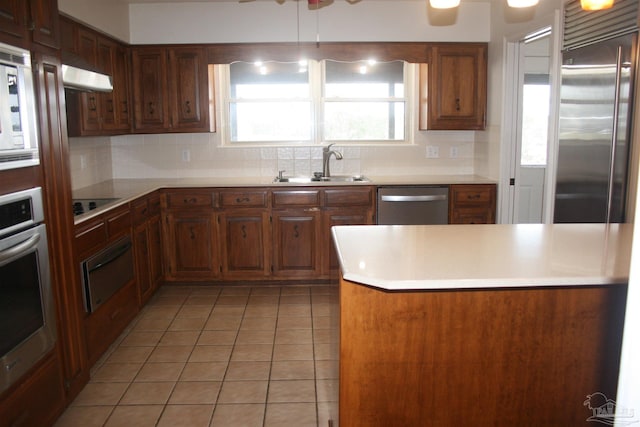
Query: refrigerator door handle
[[614, 133]]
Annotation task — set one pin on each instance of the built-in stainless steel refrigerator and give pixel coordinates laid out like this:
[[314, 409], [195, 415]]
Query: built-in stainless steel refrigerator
[[596, 98]]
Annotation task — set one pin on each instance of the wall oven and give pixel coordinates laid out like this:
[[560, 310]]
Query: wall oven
[[18, 136], [27, 317]]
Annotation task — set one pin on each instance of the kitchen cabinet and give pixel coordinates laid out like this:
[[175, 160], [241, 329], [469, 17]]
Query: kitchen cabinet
[[297, 241], [38, 399], [472, 204], [190, 235], [170, 89], [454, 83], [105, 324], [352, 206], [244, 234], [147, 241], [97, 113], [28, 24]]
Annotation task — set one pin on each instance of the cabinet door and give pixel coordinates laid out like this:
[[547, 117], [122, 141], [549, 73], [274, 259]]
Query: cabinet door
[[297, 243], [13, 18], [191, 246], [105, 57], [244, 235], [188, 89], [150, 90], [340, 217], [458, 86], [121, 94], [141, 253], [46, 25], [154, 233]]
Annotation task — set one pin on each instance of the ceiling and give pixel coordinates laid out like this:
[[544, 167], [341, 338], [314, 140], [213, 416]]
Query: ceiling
[[236, 1]]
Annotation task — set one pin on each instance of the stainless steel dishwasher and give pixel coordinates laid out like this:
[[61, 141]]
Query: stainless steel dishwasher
[[413, 205]]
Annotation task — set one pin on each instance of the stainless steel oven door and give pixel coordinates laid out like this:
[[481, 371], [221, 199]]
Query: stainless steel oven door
[[106, 272], [27, 318]]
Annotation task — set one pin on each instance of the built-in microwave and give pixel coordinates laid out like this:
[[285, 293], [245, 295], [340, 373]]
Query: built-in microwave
[[18, 129]]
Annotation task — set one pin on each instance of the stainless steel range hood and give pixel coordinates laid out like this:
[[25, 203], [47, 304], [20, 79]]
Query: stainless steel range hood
[[85, 80]]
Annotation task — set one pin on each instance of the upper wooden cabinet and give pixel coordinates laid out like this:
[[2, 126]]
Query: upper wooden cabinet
[[453, 87], [170, 89], [93, 113], [18, 18]]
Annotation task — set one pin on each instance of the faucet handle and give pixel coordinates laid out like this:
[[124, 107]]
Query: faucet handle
[[328, 147], [280, 174]]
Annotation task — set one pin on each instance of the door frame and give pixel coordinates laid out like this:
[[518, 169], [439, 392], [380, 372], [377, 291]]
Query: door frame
[[511, 121]]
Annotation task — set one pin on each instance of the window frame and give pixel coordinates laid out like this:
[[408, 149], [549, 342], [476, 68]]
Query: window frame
[[316, 78]]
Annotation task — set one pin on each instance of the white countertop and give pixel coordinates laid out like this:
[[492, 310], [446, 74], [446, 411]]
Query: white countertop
[[126, 190], [432, 257]]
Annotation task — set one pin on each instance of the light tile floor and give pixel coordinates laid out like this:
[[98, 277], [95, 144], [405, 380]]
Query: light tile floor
[[216, 356]]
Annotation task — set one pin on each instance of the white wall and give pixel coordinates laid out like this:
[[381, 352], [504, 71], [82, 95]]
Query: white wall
[[268, 21], [111, 17]]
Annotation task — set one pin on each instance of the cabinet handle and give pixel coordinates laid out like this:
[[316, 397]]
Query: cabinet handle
[[115, 313], [125, 107], [188, 106], [296, 234], [244, 231], [144, 211], [473, 196], [457, 104], [92, 103], [242, 199], [110, 107], [151, 109], [193, 235], [191, 200]]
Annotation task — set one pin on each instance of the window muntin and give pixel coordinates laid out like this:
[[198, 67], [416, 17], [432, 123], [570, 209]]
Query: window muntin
[[286, 103]]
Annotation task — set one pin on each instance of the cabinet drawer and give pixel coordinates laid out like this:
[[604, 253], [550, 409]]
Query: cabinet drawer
[[90, 236], [186, 200], [118, 222], [250, 199], [471, 194], [296, 198], [348, 197]]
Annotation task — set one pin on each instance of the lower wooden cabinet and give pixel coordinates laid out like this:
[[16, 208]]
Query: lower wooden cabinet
[[38, 400], [105, 324], [472, 204], [191, 245], [297, 243], [147, 244], [243, 236], [276, 233]]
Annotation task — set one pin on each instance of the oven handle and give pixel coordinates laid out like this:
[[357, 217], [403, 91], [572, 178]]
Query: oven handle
[[421, 198], [112, 257], [9, 253]]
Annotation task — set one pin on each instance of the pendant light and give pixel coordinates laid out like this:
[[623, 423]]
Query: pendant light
[[444, 4], [596, 4], [522, 3]]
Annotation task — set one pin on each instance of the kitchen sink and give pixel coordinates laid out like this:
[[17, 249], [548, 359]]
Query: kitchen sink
[[311, 179]]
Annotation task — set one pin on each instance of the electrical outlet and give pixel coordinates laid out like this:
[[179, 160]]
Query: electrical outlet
[[433, 152], [186, 155], [453, 152], [83, 161]]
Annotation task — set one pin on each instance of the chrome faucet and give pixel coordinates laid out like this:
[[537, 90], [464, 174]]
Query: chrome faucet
[[326, 155]]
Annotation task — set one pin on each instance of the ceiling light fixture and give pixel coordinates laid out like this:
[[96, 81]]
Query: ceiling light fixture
[[444, 4], [596, 4], [522, 3]]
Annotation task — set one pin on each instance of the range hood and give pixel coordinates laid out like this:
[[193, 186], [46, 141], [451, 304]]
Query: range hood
[[85, 80]]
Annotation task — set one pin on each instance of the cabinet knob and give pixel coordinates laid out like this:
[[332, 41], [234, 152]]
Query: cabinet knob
[[151, 108], [457, 104], [92, 103], [110, 105], [125, 107], [187, 105]]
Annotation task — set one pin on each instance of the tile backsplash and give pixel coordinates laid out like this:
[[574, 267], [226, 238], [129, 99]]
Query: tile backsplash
[[200, 155]]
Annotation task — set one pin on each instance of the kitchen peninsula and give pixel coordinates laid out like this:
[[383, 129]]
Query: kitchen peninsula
[[485, 325]]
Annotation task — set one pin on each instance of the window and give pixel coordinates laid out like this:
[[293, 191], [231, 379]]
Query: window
[[535, 119], [315, 102]]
